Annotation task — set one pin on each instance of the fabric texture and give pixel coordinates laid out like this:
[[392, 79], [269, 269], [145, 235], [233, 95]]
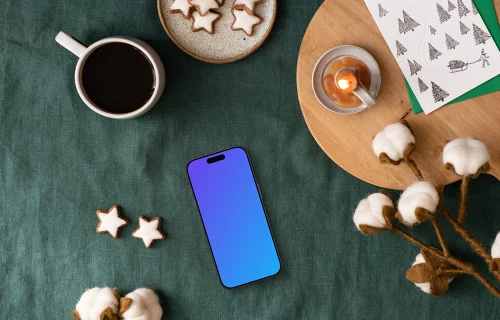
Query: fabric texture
[[60, 162]]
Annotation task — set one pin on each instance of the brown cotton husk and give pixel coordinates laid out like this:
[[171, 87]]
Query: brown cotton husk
[[409, 150], [428, 272], [483, 169], [117, 294], [384, 158], [108, 314], [125, 304], [389, 213], [370, 230], [495, 265], [406, 124], [421, 214], [76, 315]]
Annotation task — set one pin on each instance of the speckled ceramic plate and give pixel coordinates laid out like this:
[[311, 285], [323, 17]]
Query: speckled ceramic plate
[[225, 45]]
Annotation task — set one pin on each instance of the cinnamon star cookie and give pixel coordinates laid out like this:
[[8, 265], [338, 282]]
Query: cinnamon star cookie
[[149, 231], [111, 221], [204, 6], [244, 21], [181, 6], [247, 5], [206, 22]]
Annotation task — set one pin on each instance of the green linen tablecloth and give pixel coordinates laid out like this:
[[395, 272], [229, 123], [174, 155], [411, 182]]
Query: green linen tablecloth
[[60, 162]]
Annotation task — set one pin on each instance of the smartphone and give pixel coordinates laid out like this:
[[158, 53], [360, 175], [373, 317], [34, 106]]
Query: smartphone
[[233, 217]]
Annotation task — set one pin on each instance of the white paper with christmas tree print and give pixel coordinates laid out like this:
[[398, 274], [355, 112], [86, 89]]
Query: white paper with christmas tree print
[[442, 46]]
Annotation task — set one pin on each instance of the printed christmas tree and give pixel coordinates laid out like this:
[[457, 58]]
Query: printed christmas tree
[[474, 9], [408, 24], [438, 93], [433, 31], [451, 6], [400, 49], [480, 36], [401, 26], [381, 11], [417, 66], [462, 9], [463, 28], [433, 52], [450, 42], [422, 86], [443, 14], [414, 67]]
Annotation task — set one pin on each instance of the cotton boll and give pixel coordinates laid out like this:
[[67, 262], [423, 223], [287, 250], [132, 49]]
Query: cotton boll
[[495, 254], [94, 302], [86, 302], [426, 286], [417, 203], [105, 299], [394, 141], [495, 248], [368, 216], [142, 304], [152, 302], [467, 156], [137, 309]]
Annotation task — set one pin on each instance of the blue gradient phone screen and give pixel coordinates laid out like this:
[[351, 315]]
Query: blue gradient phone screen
[[234, 218]]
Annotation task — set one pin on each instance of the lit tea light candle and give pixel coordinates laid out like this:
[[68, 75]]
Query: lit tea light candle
[[347, 80]]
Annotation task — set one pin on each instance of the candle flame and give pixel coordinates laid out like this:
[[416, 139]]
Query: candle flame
[[344, 84]]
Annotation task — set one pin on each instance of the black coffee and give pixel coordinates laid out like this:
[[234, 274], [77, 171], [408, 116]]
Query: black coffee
[[118, 78]]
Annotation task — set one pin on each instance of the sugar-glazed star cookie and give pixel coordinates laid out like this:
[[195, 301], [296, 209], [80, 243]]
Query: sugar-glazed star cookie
[[206, 22], [244, 21], [247, 5], [220, 2], [111, 221], [181, 6], [204, 6], [149, 231]]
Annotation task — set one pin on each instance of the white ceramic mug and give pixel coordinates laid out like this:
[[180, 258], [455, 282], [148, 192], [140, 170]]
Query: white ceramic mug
[[83, 52]]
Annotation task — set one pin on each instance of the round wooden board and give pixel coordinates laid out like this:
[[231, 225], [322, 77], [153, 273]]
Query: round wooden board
[[347, 139]]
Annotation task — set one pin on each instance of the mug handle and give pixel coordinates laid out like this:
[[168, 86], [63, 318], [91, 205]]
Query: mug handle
[[364, 95], [70, 43]]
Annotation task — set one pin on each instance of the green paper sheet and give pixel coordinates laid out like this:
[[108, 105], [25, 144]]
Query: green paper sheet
[[486, 9]]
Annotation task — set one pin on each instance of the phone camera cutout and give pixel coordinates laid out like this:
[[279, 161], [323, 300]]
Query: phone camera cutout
[[216, 158]]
